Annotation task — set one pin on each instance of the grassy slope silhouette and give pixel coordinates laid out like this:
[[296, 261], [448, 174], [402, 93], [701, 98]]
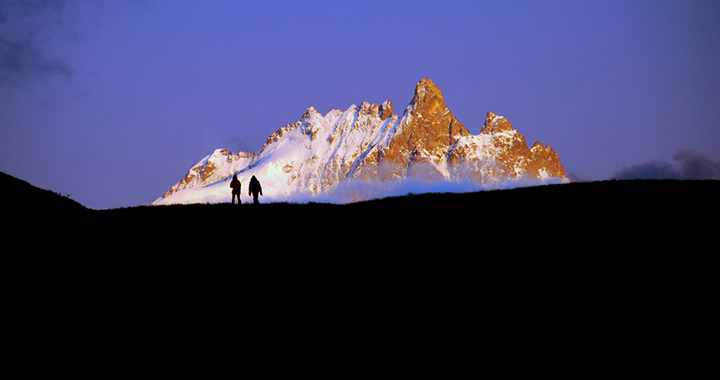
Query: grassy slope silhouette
[[626, 213], [582, 277]]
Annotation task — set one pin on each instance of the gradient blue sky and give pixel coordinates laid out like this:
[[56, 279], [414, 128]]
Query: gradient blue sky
[[111, 102]]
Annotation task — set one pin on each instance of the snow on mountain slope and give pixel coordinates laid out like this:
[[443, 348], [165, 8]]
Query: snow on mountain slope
[[210, 169], [367, 152]]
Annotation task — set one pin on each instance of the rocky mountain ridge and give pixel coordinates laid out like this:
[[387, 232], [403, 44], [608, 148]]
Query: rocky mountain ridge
[[370, 144]]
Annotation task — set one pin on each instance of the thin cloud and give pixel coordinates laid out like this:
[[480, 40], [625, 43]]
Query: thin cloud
[[23, 29], [687, 164]]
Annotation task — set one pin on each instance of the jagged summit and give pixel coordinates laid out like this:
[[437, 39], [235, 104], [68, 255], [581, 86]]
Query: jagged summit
[[495, 124], [426, 88], [321, 155], [429, 128], [386, 109]]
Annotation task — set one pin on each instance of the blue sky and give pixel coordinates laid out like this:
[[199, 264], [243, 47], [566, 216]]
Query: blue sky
[[111, 102]]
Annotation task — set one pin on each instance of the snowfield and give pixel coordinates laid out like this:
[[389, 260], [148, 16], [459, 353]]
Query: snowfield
[[346, 192]]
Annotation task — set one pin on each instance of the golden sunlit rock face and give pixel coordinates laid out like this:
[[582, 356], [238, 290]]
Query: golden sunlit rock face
[[431, 137], [426, 136]]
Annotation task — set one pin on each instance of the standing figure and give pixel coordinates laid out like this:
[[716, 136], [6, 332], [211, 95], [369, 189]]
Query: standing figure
[[236, 185], [254, 189]]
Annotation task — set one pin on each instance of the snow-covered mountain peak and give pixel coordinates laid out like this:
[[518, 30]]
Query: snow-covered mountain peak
[[366, 150], [309, 112]]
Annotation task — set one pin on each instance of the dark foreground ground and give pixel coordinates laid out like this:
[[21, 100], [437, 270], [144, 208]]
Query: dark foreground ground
[[612, 278], [612, 215]]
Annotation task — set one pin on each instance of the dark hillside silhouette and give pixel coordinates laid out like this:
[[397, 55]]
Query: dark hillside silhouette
[[616, 212], [607, 219], [574, 277], [21, 196], [615, 216]]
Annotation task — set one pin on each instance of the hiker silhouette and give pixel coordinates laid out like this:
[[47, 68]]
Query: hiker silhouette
[[236, 185], [255, 189]]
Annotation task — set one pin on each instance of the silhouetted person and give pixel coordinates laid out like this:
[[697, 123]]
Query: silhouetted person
[[255, 189], [236, 185]]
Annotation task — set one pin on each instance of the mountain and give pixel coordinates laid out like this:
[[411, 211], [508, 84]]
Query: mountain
[[368, 151]]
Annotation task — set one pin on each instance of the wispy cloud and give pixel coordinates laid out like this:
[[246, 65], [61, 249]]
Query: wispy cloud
[[687, 164], [24, 29]]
